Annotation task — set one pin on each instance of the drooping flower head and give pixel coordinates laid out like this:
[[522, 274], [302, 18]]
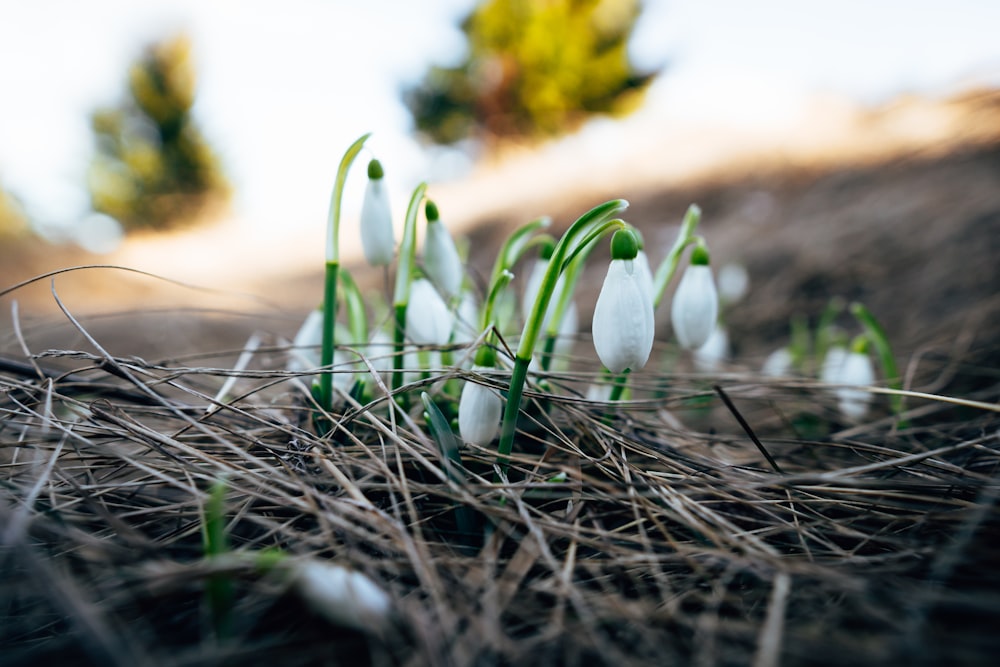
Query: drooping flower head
[[695, 308], [441, 261], [850, 367], [428, 320], [623, 317], [480, 407], [377, 238]]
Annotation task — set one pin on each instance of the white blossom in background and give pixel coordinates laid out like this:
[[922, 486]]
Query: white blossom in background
[[849, 367], [479, 412], [305, 354], [532, 288], [428, 320], [778, 363], [377, 237], [734, 281], [713, 353], [344, 597], [441, 261], [695, 308], [623, 325]]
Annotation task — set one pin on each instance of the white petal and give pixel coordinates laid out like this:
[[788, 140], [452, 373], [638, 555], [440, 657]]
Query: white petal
[[695, 307], [713, 352], [479, 411], [428, 320], [441, 260], [305, 352], [343, 596], [377, 239], [778, 363], [623, 319], [856, 369]]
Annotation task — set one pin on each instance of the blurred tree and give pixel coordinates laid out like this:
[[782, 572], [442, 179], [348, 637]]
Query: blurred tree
[[13, 221], [153, 169], [534, 68]]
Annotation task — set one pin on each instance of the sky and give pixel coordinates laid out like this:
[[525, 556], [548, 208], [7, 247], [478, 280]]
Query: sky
[[285, 87]]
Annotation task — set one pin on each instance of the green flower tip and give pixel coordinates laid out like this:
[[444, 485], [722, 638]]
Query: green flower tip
[[699, 256], [486, 357], [375, 170], [624, 244], [431, 210], [546, 249], [860, 344]]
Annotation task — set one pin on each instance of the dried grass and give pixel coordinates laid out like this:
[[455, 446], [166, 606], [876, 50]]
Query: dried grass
[[672, 541]]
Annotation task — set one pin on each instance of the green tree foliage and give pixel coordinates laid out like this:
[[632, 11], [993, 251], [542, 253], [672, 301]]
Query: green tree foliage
[[534, 68], [153, 169]]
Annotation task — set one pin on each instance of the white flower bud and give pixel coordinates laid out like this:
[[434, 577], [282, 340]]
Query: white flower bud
[[428, 320], [345, 597], [479, 411], [441, 261], [845, 367], [695, 307], [778, 363], [623, 319], [710, 356], [377, 238], [305, 353]]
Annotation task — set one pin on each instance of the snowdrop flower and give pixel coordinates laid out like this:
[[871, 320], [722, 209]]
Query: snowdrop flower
[[428, 320], [479, 410], [467, 318], [695, 307], [778, 363], [733, 282], [305, 355], [623, 317], [441, 261], [345, 597], [850, 367], [377, 238], [709, 357]]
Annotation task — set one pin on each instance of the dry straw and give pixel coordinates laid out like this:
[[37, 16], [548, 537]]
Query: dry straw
[[628, 539]]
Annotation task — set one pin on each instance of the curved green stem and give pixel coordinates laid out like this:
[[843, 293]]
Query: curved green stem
[[404, 277], [331, 273], [566, 248], [668, 267]]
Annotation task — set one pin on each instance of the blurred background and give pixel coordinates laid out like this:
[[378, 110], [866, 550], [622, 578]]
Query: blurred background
[[198, 140]]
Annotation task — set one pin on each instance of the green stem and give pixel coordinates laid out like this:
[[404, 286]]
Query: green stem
[[404, 277], [668, 267], [332, 267], [883, 350], [564, 251], [329, 340]]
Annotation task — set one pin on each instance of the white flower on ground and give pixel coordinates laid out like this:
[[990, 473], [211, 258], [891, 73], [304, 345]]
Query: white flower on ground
[[713, 352], [734, 281], [850, 367], [305, 354], [479, 411], [623, 317], [778, 363], [345, 597], [377, 238], [695, 308], [441, 261], [428, 320], [467, 318]]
